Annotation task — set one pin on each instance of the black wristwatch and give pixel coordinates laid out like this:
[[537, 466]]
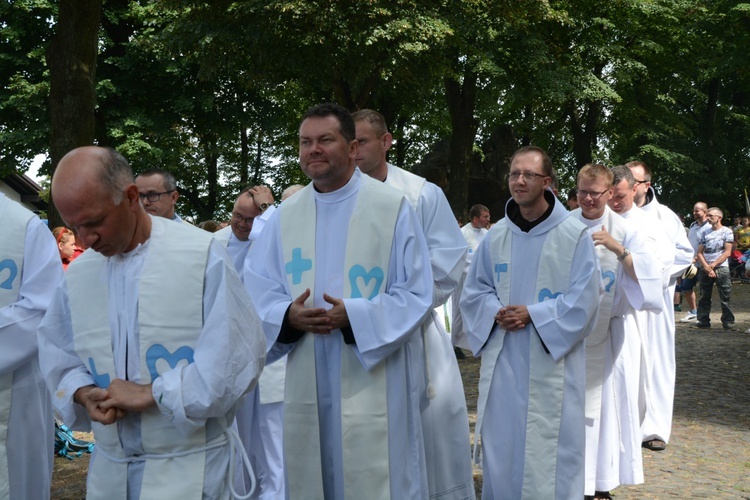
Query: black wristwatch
[[625, 253]]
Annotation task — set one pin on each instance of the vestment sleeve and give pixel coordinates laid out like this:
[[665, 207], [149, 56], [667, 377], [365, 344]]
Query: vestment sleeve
[[479, 302], [566, 320], [41, 273], [446, 244], [60, 365], [229, 355], [267, 285], [383, 324]]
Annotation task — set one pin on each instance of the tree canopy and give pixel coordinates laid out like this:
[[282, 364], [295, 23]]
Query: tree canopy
[[213, 91]]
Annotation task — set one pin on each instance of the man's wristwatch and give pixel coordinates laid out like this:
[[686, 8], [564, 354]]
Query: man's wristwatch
[[264, 206], [625, 253]]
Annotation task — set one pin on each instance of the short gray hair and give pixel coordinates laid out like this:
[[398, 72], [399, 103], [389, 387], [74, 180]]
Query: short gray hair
[[116, 174]]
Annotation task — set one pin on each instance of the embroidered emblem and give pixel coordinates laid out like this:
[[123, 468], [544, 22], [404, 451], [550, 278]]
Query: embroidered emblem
[[297, 266], [12, 268], [358, 271], [545, 294], [500, 268], [158, 351], [611, 282], [101, 380]]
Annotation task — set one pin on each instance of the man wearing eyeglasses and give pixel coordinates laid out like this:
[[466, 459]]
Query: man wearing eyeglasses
[[251, 210], [158, 191], [632, 281], [657, 425], [260, 415], [530, 299]]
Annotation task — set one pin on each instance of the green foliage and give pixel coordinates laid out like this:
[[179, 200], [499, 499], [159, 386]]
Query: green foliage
[[214, 90]]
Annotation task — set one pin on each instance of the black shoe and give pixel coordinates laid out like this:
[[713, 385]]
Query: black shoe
[[728, 326], [703, 325], [654, 444]]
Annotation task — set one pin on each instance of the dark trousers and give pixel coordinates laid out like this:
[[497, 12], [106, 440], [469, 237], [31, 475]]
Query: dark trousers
[[723, 282]]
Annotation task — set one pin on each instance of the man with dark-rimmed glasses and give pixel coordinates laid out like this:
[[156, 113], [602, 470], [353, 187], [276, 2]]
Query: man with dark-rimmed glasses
[[632, 281], [657, 424], [531, 297], [158, 191]]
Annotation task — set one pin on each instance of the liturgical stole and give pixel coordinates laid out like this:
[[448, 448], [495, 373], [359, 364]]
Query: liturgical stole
[[15, 221], [546, 377], [170, 318], [364, 403]]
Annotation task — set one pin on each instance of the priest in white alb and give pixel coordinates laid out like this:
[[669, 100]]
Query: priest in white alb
[[445, 421], [530, 299], [341, 278], [30, 270], [632, 280], [661, 369], [150, 341]]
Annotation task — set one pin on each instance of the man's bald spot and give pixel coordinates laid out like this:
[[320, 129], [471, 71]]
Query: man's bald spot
[[103, 168]]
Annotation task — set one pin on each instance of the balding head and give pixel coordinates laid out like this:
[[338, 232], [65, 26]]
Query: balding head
[[94, 192]]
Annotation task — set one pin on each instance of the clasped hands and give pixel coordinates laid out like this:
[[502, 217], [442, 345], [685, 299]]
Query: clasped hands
[[109, 405], [317, 319], [513, 318]]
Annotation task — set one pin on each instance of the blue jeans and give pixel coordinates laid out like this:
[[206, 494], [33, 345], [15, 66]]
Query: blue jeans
[[723, 282]]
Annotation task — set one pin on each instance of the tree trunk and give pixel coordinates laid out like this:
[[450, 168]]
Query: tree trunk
[[71, 59], [461, 97]]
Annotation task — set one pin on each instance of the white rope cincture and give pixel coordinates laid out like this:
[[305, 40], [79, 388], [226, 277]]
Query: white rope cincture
[[230, 438]]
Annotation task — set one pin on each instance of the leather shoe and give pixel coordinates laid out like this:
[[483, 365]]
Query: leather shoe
[[654, 444]]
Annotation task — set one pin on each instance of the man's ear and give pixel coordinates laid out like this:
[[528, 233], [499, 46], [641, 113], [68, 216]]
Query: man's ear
[[132, 196]]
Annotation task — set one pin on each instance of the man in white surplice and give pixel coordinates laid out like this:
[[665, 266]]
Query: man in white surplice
[[530, 299], [445, 421], [259, 417], [342, 281], [661, 369], [150, 340], [30, 269], [632, 280]]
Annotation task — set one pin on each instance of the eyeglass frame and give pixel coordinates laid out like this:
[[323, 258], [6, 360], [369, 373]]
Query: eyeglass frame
[[640, 182], [514, 176], [246, 220], [154, 197], [583, 194]]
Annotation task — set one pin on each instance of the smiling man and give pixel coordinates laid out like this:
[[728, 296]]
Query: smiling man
[[341, 277], [150, 341], [632, 281], [531, 297]]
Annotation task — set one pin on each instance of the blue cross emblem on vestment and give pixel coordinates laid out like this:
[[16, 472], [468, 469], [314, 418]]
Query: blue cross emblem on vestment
[[500, 268], [100, 379], [297, 266]]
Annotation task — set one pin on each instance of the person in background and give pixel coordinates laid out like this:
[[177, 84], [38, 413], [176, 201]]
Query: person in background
[[66, 244]]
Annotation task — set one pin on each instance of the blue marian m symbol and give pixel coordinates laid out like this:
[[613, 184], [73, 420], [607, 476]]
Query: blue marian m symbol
[[358, 271], [158, 351]]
